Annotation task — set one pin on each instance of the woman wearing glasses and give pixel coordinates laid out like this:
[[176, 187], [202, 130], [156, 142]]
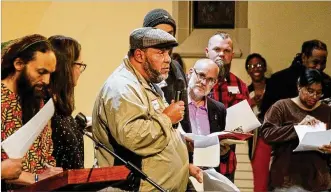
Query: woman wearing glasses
[[256, 66], [309, 169], [68, 141]]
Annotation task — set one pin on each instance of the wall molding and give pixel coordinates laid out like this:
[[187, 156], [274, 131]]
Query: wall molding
[[192, 42]]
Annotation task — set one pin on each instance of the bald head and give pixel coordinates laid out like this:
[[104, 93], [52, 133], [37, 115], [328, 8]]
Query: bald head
[[220, 50], [206, 65], [202, 77]]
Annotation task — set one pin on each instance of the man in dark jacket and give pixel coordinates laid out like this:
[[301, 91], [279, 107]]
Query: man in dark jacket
[[206, 114], [176, 80], [283, 84]]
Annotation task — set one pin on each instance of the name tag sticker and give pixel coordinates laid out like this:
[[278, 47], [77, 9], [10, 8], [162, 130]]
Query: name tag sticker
[[156, 105], [233, 89]]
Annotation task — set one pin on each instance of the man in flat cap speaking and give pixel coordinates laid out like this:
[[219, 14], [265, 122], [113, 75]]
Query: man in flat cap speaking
[[132, 118]]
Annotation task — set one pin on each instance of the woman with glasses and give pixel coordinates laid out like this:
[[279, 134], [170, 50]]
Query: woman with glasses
[[256, 66], [67, 139], [309, 169]]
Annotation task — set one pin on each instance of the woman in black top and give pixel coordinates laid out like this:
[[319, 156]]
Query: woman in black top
[[68, 141]]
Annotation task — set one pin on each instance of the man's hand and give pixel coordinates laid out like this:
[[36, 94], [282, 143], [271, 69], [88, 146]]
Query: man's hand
[[50, 171], [11, 168], [196, 172], [175, 111], [224, 148], [326, 148], [189, 144]]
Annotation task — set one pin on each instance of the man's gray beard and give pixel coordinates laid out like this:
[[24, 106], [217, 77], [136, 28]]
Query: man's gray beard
[[154, 75], [222, 70]]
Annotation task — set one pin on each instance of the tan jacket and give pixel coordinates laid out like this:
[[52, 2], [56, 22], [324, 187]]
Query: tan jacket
[[132, 110]]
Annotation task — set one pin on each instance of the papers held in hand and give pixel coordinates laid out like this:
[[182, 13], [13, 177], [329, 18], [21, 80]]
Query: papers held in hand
[[209, 146], [18, 144], [213, 181], [312, 137], [205, 146], [241, 115]]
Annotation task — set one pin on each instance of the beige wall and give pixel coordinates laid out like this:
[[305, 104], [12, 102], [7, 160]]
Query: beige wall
[[278, 30], [102, 28]]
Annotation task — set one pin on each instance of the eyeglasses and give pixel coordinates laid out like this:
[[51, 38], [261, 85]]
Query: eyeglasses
[[311, 92], [82, 66], [251, 66], [202, 77]]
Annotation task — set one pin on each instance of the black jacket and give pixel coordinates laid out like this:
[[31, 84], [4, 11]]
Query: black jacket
[[217, 122], [216, 115], [283, 84], [177, 82]]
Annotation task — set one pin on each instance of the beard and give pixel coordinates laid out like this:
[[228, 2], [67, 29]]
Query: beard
[[30, 96], [165, 76], [154, 75], [224, 69], [194, 89]]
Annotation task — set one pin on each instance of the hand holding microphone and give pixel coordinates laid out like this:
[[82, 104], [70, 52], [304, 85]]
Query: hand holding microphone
[[175, 111]]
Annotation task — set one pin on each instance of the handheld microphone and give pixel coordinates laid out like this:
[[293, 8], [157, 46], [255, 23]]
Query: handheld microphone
[[177, 98]]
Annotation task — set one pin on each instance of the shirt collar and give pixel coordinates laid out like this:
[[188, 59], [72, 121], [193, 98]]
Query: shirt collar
[[190, 102]]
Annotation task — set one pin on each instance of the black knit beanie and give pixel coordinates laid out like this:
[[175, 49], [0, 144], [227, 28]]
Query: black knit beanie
[[159, 16]]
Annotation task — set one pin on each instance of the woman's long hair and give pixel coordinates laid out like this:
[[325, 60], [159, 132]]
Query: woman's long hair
[[67, 51]]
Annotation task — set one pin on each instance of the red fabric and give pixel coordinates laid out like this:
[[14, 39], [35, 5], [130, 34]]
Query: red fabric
[[229, 166], [228, 100], [260, 165], [236, 136], [226, 97]]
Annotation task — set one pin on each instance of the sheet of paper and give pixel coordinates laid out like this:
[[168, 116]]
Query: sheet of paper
[[206, 150], [17, 145], [311, 138], [213, 181], [241, 115], [301, 130]]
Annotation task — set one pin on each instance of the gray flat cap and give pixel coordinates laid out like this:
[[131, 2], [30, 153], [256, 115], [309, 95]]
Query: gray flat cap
[[148, 37]]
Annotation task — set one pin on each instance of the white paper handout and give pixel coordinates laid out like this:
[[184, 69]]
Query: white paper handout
[[241, 116], [312, 137], [213, 181], [17, 145], [206, 150]]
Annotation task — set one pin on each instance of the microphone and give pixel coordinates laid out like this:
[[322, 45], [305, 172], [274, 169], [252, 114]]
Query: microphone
[[81, 120], [177, 98], [180, 89], [135, 171], [327, 101]]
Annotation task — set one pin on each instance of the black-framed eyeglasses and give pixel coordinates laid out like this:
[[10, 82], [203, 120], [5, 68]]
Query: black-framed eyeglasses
[[311, 92], [82, 66], [202, 77], [251, 66]]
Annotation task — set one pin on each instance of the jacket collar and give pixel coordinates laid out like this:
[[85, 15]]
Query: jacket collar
[[140, 78]]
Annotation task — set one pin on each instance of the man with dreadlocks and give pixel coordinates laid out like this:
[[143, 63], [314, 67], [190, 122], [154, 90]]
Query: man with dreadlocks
[[26, 65]]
